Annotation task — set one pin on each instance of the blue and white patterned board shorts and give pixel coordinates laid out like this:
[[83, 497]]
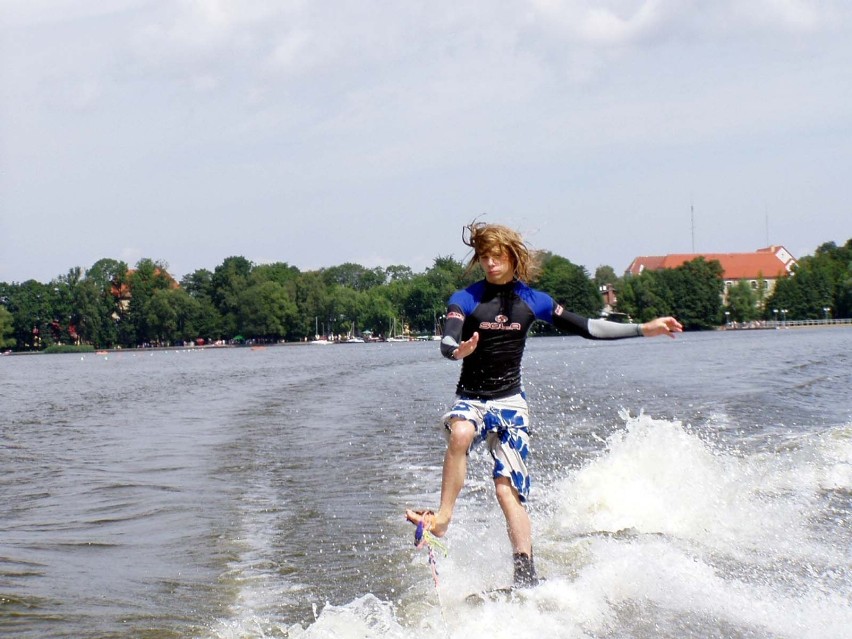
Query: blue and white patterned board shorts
[[504, 425]]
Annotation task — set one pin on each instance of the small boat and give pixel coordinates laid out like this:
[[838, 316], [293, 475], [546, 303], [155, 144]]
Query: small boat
[[351, 338], [320, 340], [394, 335]]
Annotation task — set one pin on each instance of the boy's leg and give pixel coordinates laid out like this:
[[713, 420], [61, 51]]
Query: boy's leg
[[520, 532], [517, 519], [461, 436]]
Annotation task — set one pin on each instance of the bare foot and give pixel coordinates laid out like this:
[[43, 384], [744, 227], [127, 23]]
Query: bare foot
[[431, 522]]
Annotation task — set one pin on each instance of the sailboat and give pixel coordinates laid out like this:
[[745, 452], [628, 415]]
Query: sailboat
[[351, 338], [319, 340], [394, 336]]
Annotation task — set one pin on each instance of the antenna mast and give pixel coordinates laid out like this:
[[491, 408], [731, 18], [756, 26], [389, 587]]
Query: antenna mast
[[692, 219], [767, 226]]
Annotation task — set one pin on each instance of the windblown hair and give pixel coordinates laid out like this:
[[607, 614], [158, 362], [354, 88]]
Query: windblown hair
[[485, 239]]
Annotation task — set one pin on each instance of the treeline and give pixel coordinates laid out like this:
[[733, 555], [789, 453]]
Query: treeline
[[113, 305]]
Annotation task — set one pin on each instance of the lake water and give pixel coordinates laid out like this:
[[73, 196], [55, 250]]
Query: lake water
[[696, 487]]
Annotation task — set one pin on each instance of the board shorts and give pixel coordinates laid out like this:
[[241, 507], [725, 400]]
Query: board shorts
[[503, 424]]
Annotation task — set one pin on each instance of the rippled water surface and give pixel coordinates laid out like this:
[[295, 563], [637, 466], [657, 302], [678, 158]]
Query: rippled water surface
[[697, 487]]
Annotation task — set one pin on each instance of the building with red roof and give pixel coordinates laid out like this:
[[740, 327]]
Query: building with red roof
[[763, 268]]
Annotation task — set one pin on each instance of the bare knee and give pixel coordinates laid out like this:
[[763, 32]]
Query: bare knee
[[461, 434]]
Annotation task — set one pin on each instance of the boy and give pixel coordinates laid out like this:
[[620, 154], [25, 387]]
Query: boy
[[486, 327]]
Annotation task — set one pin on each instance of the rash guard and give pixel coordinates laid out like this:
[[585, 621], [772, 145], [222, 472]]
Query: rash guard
[[503, 315]]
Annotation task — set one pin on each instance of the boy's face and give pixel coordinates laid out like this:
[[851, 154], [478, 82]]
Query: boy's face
[[497, 266]]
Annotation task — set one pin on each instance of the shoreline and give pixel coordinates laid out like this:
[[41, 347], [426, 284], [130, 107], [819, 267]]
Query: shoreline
[[752, 326]]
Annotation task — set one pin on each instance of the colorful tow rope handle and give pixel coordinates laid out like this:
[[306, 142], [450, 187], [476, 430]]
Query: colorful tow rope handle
[[423, 537]]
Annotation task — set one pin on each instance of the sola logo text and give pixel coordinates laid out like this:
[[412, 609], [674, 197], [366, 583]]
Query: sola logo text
[[500, 323]]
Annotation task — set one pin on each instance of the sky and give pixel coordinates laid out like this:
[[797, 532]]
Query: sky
[[320, 133]]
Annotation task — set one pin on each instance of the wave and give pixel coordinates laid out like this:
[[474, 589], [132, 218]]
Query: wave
[[662, 534]]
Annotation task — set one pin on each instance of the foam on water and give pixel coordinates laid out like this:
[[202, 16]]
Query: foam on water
[[656, 477], [260, 586], [663, 518], [660, 535]]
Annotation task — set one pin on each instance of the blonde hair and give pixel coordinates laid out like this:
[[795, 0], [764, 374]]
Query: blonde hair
[[486, 239]]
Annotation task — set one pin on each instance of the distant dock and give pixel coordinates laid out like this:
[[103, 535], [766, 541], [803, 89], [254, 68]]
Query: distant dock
[[759, 325]]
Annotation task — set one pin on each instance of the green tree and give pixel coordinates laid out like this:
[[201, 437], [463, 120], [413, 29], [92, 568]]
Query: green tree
[[279, 272], [448, 274], [645, 297], [313, 300], [373, 278], [229, 281], [834, 265], [396, 293], [421, 304], [398, 272], [606, 275], [377, 312], [6, 328], [343, 310], [99, 300], [691, 292], [570, 285], [742, 302], [106, 272], [267, 311], [843, 295], [354, 276], [207, 323], [64, 304], [113, 280], [823, 280], [160, 317], [696, 292], [788, 295], [419, 301], [29, 304], [806, 293], [206, 320], [143, 324], [93, 311], [198, 284]]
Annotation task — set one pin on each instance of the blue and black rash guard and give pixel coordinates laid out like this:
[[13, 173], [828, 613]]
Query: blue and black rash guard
[[503, 315]]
